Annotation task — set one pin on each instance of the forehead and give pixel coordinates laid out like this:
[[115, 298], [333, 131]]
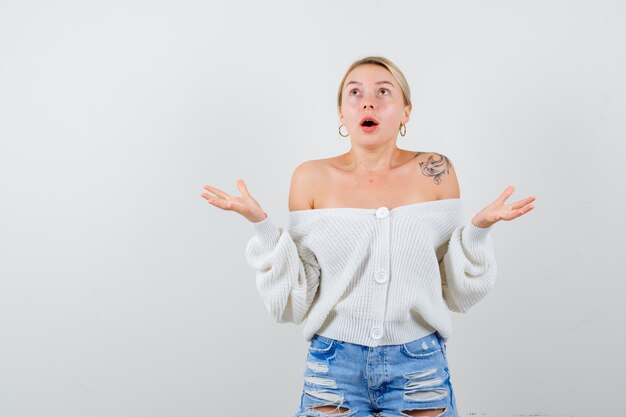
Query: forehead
[[369, 74]]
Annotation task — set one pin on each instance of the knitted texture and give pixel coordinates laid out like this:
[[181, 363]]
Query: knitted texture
[[373, 276]]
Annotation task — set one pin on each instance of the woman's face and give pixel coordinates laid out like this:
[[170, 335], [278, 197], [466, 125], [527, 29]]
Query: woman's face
[[370, 91]]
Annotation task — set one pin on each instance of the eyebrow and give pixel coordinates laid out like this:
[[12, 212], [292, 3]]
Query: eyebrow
[[379, 82]]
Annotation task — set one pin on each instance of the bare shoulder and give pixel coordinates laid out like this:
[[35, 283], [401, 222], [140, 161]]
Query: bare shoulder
[[304, 180], [441, 172]]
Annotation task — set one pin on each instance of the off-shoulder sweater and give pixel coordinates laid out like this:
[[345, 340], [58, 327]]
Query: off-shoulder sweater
[[373, 276]]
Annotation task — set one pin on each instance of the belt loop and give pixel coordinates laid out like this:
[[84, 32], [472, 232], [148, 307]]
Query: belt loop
[[441, 342]]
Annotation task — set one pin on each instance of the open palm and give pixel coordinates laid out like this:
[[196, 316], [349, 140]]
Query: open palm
[[245, 204], [499, 209]]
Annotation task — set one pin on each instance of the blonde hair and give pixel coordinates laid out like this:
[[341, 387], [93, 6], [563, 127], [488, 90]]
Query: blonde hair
[[389, 66]]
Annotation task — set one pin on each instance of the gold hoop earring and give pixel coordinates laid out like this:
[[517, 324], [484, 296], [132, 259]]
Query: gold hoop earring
[[402, 133], [346, 135]]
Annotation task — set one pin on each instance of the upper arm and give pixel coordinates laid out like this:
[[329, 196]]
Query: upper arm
[[448, 183], [301, 188]]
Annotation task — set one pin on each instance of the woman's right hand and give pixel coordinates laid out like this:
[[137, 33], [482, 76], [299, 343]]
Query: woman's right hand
[[245, 205]]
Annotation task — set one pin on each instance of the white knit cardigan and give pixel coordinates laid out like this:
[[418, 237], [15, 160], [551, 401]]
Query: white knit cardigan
[[373, 276]]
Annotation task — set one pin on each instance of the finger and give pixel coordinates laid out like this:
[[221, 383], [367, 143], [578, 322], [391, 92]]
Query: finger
[[219, 193], [210, 198], [506, 194], [521, 212], [226, 204], [523, 202], [242, 188]]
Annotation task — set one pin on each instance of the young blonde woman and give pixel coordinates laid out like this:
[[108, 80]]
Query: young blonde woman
[[376, 254]]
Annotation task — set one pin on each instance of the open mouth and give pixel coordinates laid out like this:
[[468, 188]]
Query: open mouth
[[369, 122]]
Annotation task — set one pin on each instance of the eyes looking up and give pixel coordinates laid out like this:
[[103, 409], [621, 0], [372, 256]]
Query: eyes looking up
[[356, 89]]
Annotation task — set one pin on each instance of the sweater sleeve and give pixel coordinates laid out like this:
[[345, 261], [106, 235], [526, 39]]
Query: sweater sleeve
[[468, 268], [286, 277]]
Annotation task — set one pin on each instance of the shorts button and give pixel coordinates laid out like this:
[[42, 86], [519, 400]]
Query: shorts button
[[377, 332], [382, 212], [381, 276]]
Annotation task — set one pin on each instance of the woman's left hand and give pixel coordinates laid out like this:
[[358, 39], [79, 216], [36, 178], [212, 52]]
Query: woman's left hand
[[499, 210]]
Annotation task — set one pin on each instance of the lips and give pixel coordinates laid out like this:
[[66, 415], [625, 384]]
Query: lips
[[369, 121], [369, 124]]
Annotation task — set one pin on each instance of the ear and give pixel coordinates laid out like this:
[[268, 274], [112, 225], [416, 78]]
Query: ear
[[407, 113]]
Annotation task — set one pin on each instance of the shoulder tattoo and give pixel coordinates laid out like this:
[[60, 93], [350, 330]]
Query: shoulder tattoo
[[433, 167]]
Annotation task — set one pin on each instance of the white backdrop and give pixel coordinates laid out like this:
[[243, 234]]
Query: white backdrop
[[123, 293]]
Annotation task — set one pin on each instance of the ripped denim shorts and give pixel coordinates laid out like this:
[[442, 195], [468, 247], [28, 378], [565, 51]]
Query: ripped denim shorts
[[343, 379]]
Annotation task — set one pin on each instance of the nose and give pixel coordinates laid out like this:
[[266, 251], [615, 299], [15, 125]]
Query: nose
[[368, 100]]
